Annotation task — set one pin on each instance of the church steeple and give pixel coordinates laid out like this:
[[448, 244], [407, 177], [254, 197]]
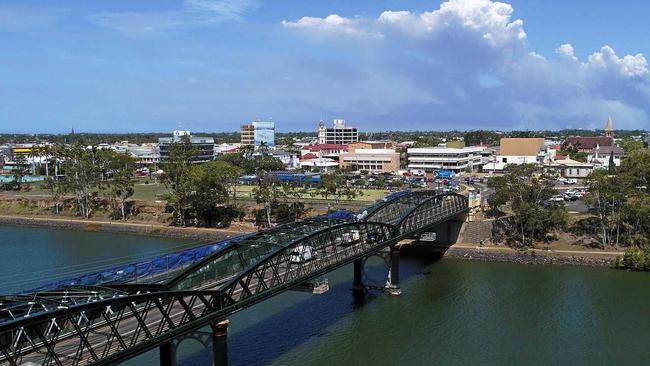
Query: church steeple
[[609, 128]]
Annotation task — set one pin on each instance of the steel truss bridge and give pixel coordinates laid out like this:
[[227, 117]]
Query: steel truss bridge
[[101, 325]]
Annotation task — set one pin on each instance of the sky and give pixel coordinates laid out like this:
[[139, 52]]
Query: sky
[[211, 65]]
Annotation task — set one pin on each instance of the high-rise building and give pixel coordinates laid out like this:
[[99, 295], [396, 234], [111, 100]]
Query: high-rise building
[[264, 133], [258, 132], [339, 133]]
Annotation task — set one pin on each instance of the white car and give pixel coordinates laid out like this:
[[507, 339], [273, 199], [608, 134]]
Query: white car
[[556, 198], [302, 253], [570, 181]]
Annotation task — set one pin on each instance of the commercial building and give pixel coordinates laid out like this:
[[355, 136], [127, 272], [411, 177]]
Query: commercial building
[[339, 133], [445, 158], [257, 133], [372, 160], [203, 145], [247, 134]]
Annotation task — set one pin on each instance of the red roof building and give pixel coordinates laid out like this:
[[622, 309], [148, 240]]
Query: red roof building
[[586, 144]]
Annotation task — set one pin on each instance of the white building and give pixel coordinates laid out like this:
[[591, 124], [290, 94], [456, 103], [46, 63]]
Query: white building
[[601, 155], [515, 151], [445, 158], [339, 133]]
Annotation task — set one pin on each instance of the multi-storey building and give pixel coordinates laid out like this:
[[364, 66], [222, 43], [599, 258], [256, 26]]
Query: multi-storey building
[[339, 133], [204, 146], [445, 158], [247, 133], [257, 133], [372, 160]]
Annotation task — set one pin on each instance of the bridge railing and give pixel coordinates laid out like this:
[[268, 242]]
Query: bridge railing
[[305, 258], [432, 211]]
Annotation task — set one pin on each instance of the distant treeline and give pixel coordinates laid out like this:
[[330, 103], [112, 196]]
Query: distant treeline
[[486, 137]]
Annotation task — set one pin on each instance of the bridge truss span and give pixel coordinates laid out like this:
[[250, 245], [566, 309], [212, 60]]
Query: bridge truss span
[[105, 325]]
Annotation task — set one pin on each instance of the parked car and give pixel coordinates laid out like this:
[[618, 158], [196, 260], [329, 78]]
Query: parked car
[[556, 198], [570, 181], [570, 197]]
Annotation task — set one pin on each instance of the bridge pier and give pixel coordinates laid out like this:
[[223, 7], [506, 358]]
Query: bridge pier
[[220, 343], [357, 284], [392, 287], [167, 354]]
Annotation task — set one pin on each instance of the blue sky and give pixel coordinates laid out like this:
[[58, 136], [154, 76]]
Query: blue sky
[[210, 65]]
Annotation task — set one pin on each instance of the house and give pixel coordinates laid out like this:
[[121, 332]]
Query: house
[[600, 156], [569, 168]]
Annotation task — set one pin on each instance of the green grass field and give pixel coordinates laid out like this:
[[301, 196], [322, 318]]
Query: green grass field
[[152, 191]]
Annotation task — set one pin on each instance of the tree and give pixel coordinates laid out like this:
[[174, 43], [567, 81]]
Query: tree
[[611, 166], [526, 195], [209, 191], [266, 193], [631, 145], [21, 169], [56, 188], [176, 177], [334, 185], [122, 169], [83, 168]]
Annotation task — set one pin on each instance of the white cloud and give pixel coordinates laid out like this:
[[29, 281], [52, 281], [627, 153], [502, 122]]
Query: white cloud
[[333, 23], [628, 66], [566, 51], [491, 21]]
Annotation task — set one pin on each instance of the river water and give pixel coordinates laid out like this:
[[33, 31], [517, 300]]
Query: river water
[[451, 311]]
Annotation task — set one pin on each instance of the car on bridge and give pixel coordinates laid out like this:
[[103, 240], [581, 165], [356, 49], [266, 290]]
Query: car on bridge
[[302, 253]]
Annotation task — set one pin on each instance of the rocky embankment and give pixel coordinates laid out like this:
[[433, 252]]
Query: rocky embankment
[[530, 257]]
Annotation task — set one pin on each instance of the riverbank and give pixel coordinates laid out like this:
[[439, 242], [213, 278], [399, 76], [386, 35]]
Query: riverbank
[[145, 229], [591, 258]]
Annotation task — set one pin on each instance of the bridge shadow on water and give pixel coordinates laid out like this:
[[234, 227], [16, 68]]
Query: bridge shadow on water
[[298, 321]]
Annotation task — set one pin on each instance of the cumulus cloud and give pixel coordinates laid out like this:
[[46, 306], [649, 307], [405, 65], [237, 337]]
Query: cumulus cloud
[[566, 51], [472, 58], [628, 66]]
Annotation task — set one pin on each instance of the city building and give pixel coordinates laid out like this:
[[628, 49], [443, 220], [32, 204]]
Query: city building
[[204, 146], [372, 160], [257, 133], [247, 134], [517, 151], [339, 133], [445, 158]]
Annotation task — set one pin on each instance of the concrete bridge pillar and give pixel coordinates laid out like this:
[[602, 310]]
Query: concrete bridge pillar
[[357, 284], [167, 354], [220, 343], [393, 274]]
